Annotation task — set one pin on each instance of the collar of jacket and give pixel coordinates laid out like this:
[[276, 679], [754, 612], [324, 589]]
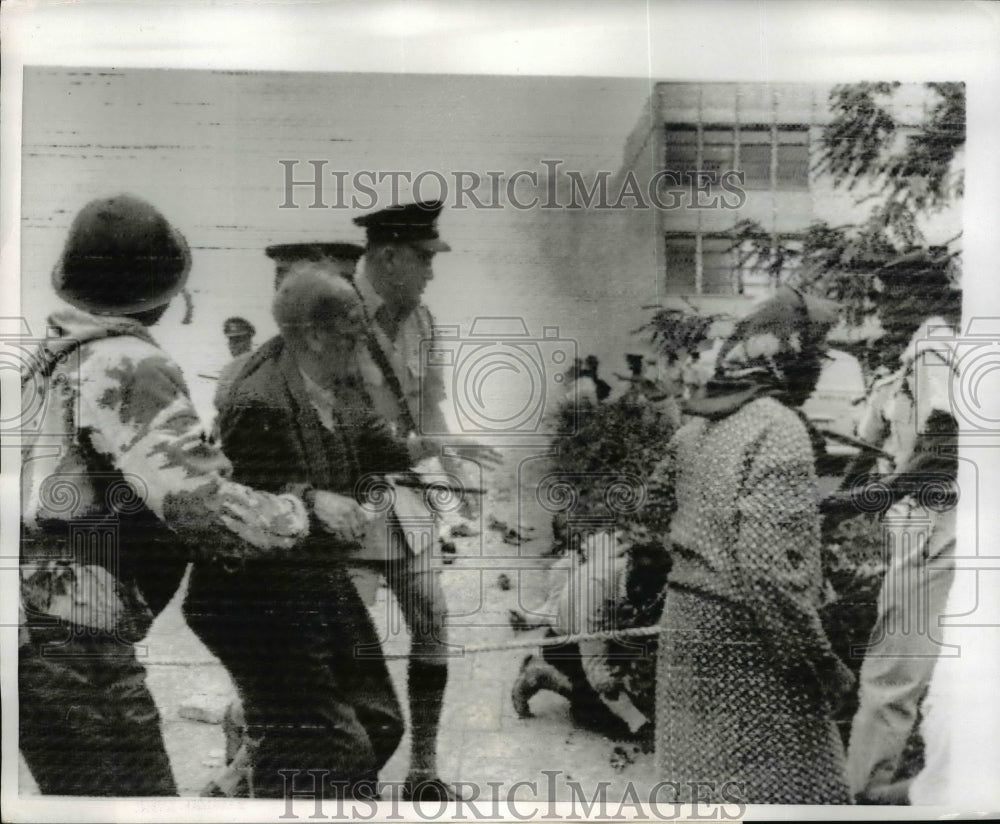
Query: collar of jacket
[[76, 326]]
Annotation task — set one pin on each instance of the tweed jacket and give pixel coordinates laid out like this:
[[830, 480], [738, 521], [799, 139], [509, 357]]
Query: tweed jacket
[[746, 527]]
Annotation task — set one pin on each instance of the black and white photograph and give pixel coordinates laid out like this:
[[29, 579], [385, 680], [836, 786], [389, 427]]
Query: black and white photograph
[[600, 429]]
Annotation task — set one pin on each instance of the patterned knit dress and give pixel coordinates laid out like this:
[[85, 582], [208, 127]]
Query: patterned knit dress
[[745, 672]]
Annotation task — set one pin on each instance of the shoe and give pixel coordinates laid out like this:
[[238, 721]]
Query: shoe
[[427, 789]]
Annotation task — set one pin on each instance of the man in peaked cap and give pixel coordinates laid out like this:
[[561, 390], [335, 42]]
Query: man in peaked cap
[[334, 258], [402, 243], [239, 334]]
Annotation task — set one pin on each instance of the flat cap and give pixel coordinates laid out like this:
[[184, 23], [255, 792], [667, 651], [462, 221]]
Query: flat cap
[[413, 223], [287, 252]]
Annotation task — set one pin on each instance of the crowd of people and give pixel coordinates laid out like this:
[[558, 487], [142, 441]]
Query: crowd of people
[[122, 488]]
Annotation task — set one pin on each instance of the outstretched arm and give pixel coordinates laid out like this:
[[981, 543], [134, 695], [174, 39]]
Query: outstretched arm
[[138, 414]]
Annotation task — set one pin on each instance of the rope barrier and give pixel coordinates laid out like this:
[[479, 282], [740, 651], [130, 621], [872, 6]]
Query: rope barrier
[[476, 649]]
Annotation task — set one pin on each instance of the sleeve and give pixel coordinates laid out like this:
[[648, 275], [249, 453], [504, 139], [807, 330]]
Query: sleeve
[[223, 386], [778, 554], [138, 414]]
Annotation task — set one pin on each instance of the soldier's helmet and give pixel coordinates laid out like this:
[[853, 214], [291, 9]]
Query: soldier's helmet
[[121, 257]]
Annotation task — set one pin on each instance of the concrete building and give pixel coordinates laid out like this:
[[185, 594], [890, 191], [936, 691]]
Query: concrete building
[[720, 153], [707, 156]]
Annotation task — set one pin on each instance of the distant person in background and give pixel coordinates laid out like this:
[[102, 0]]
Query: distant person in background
[[602, 389], [746, 676], [239, 334]]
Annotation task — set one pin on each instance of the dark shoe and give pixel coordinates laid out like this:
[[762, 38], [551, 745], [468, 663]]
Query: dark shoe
[[427, 789]]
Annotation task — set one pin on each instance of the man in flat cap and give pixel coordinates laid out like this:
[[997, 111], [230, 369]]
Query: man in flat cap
[[402, 243], [909, 415]]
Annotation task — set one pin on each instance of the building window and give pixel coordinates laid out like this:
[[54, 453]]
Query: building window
[[718, 275], [700, 264], [682, 269], [770, 156], [717, 149], [755, 156], [708, 264], [792, 159], [681, 152]]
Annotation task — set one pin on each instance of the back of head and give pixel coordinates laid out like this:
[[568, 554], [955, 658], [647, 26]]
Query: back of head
[[121, 257], [779, 345], [310, 298]]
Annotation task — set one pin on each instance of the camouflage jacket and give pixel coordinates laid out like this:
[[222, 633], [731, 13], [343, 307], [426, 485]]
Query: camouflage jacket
[[119, 484]]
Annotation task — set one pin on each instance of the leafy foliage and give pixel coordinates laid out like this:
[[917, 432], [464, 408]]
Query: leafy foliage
[[674, 332], [861, 131], [906, 176], [626, 436]]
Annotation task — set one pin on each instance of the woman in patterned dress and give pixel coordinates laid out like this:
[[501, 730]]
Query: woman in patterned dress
[[746, 677]]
